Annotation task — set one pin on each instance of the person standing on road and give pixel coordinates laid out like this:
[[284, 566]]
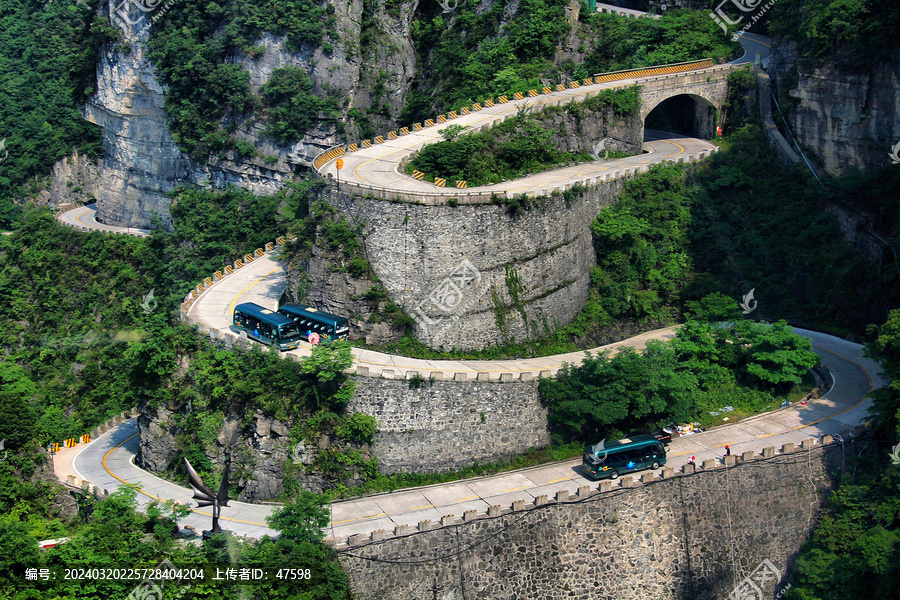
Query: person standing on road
[[727, 450]]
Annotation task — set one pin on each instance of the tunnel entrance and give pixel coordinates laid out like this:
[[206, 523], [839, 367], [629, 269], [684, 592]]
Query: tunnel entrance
[[685, 114]]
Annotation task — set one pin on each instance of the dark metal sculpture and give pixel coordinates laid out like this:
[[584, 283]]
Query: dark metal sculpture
[[204, 496]]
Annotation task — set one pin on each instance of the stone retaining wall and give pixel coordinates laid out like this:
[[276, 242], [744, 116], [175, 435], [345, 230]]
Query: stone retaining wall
[[462, 423], [687, 535]]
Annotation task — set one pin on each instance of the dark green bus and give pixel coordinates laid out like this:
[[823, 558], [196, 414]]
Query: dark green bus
[[266, 326], [623, 456], [309, 320]]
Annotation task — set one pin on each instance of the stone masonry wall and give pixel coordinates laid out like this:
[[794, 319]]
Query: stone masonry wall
[[448, 266], [683, 537], [463, 422]]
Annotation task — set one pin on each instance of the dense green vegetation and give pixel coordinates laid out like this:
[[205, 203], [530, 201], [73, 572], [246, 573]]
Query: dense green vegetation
[[469, 57], [851, 33], [516, 147], [111, 534], [80, 347], [48, 55], [853, 549], [678, 36], [704, 368], [194, 46]]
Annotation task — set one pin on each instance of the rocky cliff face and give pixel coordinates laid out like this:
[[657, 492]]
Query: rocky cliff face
[[74, 180], [259, 447], [845, 120], [142, 161], [320, 282]]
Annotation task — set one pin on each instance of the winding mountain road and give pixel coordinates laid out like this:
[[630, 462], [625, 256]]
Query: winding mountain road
[[108, 461]]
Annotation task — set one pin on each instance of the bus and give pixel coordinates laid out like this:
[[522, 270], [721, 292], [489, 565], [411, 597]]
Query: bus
[[326, 326], [266, 326], [608, 460]]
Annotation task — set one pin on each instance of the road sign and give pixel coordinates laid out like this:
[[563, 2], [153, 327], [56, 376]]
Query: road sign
[[339, 164]]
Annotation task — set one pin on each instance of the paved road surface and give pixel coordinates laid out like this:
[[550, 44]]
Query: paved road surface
[[107, 461], [263, 280], [85, 217]]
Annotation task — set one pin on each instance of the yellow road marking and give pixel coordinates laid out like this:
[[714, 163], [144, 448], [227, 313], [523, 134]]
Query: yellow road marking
[[561, 479], [233, 302], [514, 489], [426, 506], [468, 498]]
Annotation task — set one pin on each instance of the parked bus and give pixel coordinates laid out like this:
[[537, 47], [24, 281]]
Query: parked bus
[[611, 459], [267, 326], [309, 321]]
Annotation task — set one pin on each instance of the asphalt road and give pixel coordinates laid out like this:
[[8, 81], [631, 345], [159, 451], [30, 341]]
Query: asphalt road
[[108, 461]]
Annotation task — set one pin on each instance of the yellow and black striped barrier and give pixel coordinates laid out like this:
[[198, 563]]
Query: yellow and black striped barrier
[[532, 93], [259, 252], [417, 127], [70, 443], [392, 135], [442, 119], [404, 131], [54, 447], [418, 175], [367, 144], [229, 269], [354, 147], [333, 153], [476, 107], [651, 71], [517, 96], [439, 182], [452, 114], [574, 85], [208, 281], [502, 100], [379, 139], [461, 185], [560, 87], [248, 258], [546, 89], [86, 438], [464, 110], [429, 122], [488, 103], [270, 246], [589, 81]]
